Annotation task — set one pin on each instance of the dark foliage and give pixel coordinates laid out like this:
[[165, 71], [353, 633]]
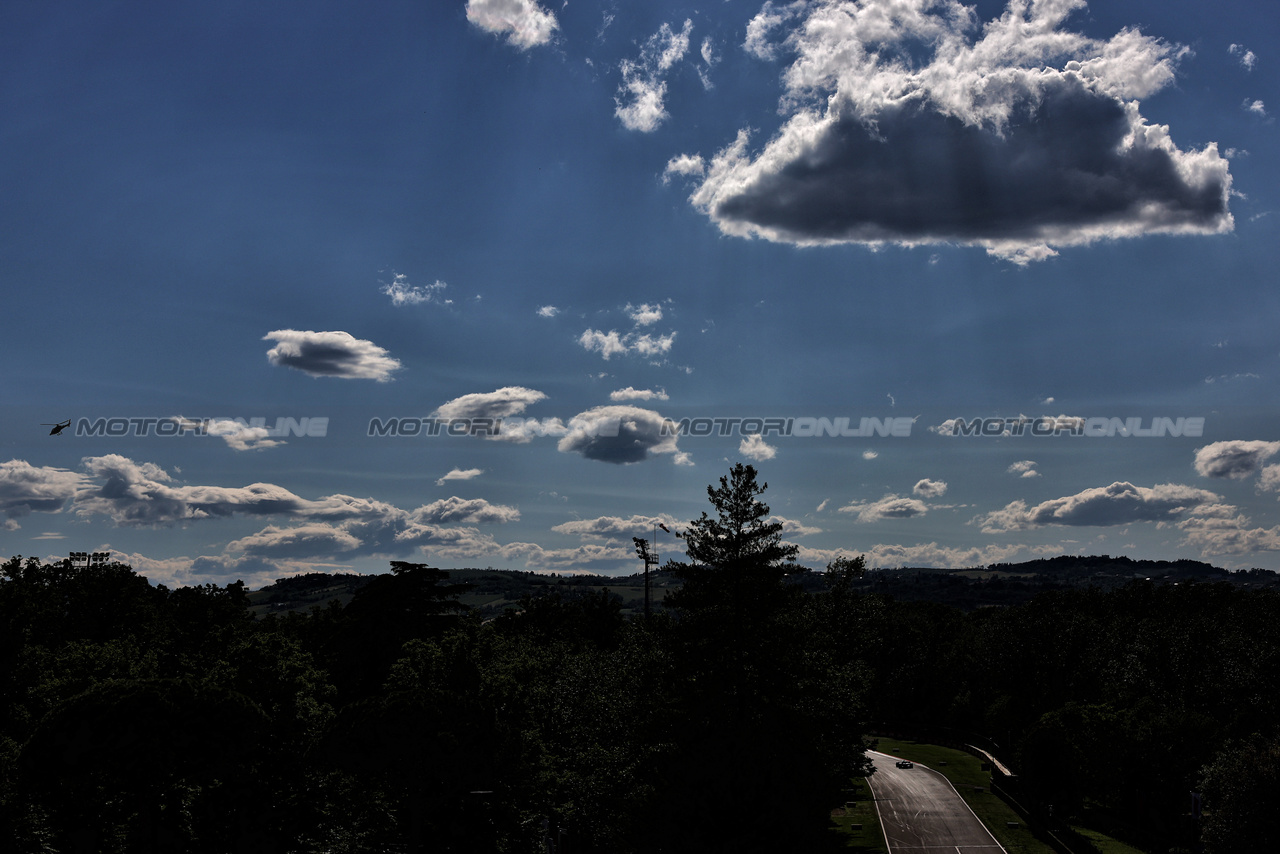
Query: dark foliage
[[136, 718]]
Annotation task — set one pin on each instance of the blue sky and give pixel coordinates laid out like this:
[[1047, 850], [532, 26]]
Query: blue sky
[[245, 248]]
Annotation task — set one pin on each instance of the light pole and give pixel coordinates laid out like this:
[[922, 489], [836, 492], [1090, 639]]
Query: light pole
[[642, 551]]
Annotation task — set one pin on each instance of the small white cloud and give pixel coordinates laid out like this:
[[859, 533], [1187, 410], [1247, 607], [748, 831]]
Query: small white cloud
[[754, 447], [794, 528], [1234, 459], [889, 507], [1024, 468], [403, 293], [644, 314], [548, 311], [927, 488], [459, 474], [870, 455], [630, 393], [608, 344], [523, 22], [509, 400], [639, 104], [1255, 107], [649, 345], [613, 343], [1247, 57], [687, 165], [330, 354], [237, 435]]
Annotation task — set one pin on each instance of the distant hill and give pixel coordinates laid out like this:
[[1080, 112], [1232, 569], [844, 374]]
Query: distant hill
[[491, 591]]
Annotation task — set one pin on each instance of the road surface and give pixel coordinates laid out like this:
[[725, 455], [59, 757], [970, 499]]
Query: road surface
[[922, 814]]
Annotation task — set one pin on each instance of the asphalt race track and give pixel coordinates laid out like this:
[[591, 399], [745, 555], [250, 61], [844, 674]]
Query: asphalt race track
[[921, 812]]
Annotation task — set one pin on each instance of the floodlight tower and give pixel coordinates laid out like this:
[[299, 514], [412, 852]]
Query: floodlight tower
[[642, 551]]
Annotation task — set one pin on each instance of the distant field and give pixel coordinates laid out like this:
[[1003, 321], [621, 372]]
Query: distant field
[[488, 591]]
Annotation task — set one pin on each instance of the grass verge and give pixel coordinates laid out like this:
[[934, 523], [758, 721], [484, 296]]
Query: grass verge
[[858, 823]]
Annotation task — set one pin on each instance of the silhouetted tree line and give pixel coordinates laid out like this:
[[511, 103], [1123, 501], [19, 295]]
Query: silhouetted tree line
[[135, 718]]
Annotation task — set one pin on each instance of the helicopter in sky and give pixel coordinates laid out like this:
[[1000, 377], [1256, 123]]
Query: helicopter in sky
[[57, 428]]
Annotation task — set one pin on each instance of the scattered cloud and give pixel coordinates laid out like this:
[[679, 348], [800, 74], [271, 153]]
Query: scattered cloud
[[613, 526], [709, 60], [793, 528], [754, 447], [503, 405], [620, 434], [237, 435], [1118, 504], [685, 165], [630, 393], [639, 104], [1024, 468], [500, 403], [1234, 459], [330, 354], [910, 124], [26, 489], [644, 314], [612, 343], [585, 555], [1221, 529], [1256, 107], [1247, 57], [889, 507], [870, 455], [548, 311], [403, 293], [927, 488], [459, 474], [473, 511], [524, 23]]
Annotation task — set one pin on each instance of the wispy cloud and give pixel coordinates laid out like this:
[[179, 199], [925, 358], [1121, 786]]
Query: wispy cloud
[[403, 293], [1024, 468], [612, 343], [630, 393], [459, 474], [1247, 57], [640, 101]]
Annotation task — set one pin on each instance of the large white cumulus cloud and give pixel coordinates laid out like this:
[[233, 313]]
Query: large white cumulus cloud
[[910, 123]]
